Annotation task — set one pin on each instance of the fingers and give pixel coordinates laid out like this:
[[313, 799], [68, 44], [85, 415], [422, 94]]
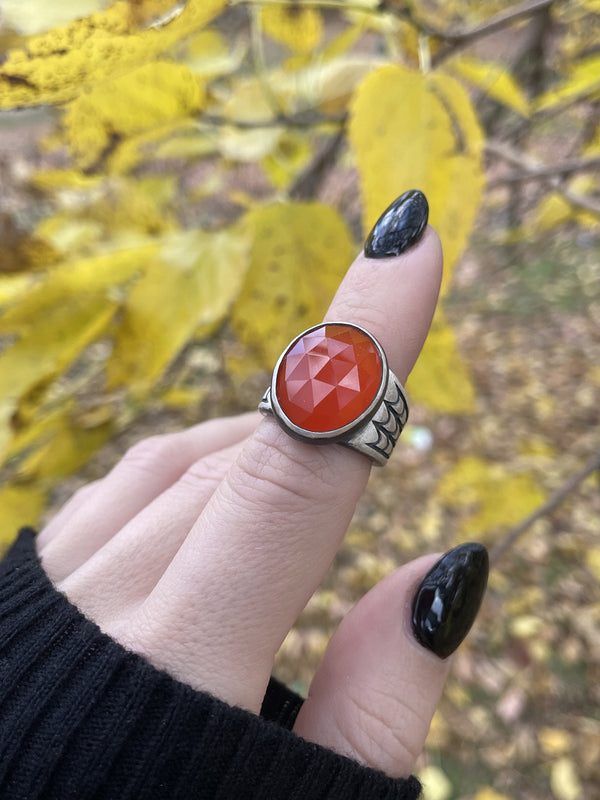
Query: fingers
[[98, 511], [137, 555], [271, 529], [379, 683]]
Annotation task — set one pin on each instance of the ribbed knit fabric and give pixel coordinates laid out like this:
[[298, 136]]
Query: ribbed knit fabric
[[82, 718]]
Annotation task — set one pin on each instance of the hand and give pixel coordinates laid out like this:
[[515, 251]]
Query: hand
[[200, 548]]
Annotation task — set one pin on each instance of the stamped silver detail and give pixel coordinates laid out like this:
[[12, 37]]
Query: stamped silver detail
[[378, 437]]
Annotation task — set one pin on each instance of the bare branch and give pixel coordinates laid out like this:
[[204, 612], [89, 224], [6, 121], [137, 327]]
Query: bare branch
[[546, 508], [535, 169], [308, 118], [536, 172], [307, 184], [452, 38], [498, 21]]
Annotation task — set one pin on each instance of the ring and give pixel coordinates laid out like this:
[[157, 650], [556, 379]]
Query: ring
[[332, 384]]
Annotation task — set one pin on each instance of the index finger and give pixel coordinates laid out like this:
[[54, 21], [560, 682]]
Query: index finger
[[271, 529]]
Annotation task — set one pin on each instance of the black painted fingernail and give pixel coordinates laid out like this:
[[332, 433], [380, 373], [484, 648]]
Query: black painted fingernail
[[399, 227], [448, 599]]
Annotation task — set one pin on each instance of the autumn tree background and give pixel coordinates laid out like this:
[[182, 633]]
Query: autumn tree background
[[182, 188]]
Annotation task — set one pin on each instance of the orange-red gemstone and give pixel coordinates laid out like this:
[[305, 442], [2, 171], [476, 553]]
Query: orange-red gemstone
[[328, 377]]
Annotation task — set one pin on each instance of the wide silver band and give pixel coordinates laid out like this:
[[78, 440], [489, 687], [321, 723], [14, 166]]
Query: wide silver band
[[374, 433]]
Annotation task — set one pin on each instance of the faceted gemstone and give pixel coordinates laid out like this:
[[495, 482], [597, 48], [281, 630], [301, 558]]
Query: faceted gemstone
[[328, 377]]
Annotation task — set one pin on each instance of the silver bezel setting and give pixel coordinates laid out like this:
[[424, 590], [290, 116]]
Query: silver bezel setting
[[336, 434]]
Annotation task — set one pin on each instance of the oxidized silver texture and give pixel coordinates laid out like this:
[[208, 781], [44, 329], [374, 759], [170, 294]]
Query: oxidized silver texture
[[373, 433]]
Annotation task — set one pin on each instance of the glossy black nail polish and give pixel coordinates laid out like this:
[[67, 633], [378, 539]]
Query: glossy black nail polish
[[448, 599], [399, 227]]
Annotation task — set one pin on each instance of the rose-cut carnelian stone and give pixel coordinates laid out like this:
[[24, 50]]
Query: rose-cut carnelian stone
[[328, 377]]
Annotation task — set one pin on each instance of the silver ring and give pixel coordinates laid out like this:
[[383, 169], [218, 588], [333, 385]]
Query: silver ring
[[332, 384]]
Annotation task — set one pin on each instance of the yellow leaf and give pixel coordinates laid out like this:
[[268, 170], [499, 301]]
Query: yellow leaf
[[191, 284], [592, 560], [248, 103], [64, 450], [185, 142], [554, 209], [71, 280], [48, 347], [441, 379], [489, 496], [415, 131], [436, 785], [56, 66], [583, 80], [144, 99], [36, 16], [592, 148], [208, 54], [326, 84], [487, 793], [493, 79], [554, 741], [183, 397], [526, 626], [299, 254], [287, 159], [13, 286], [19, 506], [52, 179], [68, 235], [342, 43], [564, 780], [300, 29]]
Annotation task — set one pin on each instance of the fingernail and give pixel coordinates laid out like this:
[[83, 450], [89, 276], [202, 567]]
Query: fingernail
[[399, 227], [448, 599]]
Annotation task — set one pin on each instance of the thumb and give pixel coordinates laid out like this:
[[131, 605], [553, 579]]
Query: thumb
[[375, 692]]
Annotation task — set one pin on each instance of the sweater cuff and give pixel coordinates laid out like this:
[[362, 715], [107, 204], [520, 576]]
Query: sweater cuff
[[81, 717]]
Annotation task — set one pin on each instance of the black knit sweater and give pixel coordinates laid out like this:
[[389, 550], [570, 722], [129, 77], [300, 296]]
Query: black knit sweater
[[83, 718]]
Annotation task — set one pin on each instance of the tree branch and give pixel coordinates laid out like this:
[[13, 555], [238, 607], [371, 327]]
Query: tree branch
[[309, 118], [536, 172], [307, 184], [498, 21], [546, 508], [535, 169], [452, 38]]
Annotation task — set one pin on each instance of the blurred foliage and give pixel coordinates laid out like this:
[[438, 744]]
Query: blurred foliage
[[184, 199]]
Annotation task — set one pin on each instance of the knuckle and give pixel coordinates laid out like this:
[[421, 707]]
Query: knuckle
[[281, 472], [82, 495], [148, 453], [208, 471]]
